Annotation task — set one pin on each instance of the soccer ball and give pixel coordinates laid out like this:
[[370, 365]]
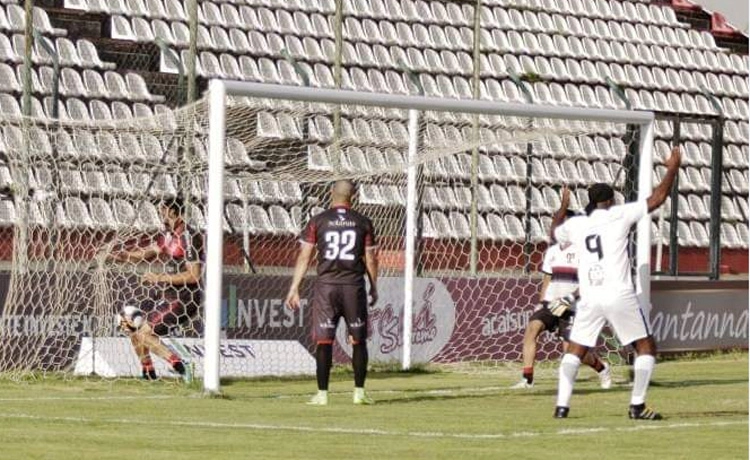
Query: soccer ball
[[132, 315]]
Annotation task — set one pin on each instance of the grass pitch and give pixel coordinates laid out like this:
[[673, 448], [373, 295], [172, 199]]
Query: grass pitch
[[466, 413]]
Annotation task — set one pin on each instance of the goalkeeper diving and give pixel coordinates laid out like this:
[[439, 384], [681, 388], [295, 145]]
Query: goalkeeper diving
[[555, 313], [174, 293]]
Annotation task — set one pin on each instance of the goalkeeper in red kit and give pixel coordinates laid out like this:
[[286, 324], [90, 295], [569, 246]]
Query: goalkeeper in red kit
[[175, 292]]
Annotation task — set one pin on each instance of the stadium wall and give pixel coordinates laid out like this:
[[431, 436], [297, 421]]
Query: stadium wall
[[456, 318]]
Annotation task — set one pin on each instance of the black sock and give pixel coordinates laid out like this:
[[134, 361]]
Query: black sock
[[148, 374], [359, 363], [179, 367], [147, 369], [323, 358]]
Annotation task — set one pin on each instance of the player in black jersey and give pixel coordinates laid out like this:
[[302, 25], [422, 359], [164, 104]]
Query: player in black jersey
[[347, 250], [175, 292]]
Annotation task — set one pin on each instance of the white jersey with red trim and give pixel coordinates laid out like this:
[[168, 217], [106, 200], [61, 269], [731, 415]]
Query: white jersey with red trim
[[601, 240], [561, 263]]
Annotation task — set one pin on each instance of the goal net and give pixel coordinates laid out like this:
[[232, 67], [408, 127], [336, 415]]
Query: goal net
[[486, 184]]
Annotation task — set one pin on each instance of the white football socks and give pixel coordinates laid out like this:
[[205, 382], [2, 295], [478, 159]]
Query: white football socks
[[568, 371], [642, 368]]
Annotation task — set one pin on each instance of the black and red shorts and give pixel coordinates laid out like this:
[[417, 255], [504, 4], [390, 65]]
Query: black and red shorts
[[171, 309], [559, 325], [332, 301]]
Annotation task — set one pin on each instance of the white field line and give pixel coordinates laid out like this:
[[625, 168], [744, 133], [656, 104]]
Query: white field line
[[651, 426], [87, 398], [435, 391]]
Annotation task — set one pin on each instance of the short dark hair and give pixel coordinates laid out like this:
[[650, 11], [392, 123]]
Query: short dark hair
[[599, 193], [175, 204]]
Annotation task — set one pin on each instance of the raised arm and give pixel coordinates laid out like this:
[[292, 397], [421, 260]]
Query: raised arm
[[661, 191], [300, 268], [559, 215]]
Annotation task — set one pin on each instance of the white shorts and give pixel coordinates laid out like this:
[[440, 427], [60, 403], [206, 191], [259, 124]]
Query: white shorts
[[622, 311]]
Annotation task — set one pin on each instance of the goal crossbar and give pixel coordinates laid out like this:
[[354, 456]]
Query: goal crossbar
[[217, 96], [424, 103]]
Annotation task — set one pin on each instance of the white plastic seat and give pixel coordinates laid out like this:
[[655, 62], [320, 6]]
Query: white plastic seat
[[281, 221], [500, 199], [89, 56], [441, 225], [460, 225], [258, 221], [742, 233], [514, 228]]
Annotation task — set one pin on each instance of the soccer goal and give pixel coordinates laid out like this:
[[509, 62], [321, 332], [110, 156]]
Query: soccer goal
[[461, 194]]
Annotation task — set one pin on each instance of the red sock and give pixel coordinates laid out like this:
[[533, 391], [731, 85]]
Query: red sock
[[174, 359], [528, 374]]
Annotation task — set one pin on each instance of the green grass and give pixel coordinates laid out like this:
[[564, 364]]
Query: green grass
[[461, 413]]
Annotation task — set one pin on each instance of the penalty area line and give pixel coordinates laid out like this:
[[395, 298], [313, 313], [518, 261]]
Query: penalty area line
[[370, 431]]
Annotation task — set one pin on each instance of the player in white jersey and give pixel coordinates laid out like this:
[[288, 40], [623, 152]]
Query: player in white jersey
[[606, 285], [555, 312]]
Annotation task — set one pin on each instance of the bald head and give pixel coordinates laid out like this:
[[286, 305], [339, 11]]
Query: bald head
[[342, 191]]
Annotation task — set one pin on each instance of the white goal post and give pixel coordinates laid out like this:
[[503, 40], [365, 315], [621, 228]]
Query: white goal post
[[221, 90]]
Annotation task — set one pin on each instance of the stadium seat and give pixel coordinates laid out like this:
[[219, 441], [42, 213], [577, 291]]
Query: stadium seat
[[496, 227], [430, 198], [237, 219], [738, 181], [123, 212], [71, 83], [121, 29], [685, 236], [441, 225], [729, 236], [428, 231], [538, 204], [76, 213], [514, 227], [77, 110], [460, 225], [298, 217], [742, 233], [7, 213], [281, 221]]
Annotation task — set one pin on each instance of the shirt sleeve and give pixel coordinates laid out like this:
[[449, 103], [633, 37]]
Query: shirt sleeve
[[633, 212], [309, 234], [371, 240], [548, 258]]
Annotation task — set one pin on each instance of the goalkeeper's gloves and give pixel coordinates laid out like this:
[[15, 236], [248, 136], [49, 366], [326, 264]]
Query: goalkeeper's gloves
[[127, 326], [562, 305]]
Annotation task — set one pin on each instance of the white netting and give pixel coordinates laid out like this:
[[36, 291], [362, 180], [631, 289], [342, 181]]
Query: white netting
[[77, 192]]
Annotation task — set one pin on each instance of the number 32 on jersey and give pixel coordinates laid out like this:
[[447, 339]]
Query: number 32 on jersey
[[339, 245]]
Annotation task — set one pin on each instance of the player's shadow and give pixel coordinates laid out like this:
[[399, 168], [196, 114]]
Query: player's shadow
[[695, 383], [708, 414], [438, 396]]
